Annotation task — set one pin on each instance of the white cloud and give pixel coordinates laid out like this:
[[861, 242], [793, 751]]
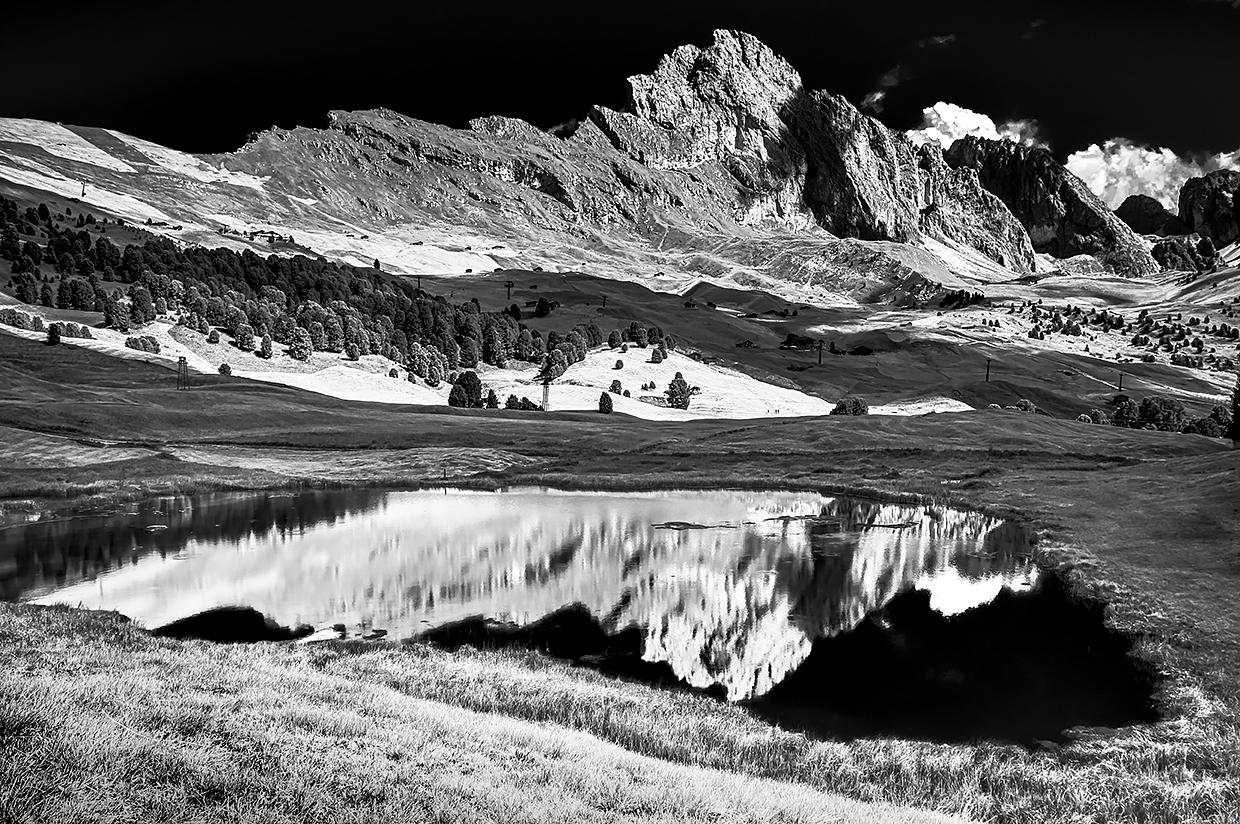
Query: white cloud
[[1119, 168], [944, 123]]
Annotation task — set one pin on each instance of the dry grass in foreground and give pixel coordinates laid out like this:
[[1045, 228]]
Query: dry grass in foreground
[[101, 721]]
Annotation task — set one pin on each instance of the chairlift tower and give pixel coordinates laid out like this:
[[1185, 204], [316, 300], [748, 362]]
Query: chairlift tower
[[182, 373], [546, 403]]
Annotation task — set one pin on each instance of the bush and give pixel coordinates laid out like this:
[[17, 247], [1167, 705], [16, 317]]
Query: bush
[[1026, 405], [619, 365], [392, 373], [604, 403], [225, 369], [351, 351], [143, 343], [616, 387], [1202, 426], [851, 405], [1083, 418], [512, 402], [626, 394], [656, 355], [613, 340], [1099, 417], [213, 336]]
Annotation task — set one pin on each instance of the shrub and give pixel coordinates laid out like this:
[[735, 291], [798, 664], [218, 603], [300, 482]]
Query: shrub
[[1083, 418], [604, 403], [143, 343], [619, 365], [213, 336], [225, 369], [615, 387], [851, 405], [656, 355], [624, 348], [351, 351], [1026, 405], [1202, 426], [392, 373], [1099, 417], [626, 394], [613, 340], [53, 334]]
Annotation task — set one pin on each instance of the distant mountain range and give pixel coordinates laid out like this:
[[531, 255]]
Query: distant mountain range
[[722, 166]]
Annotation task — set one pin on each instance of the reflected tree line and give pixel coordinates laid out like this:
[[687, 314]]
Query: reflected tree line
[[40, 556]]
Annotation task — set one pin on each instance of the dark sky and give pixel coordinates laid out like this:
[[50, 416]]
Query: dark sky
[[1162, 72]]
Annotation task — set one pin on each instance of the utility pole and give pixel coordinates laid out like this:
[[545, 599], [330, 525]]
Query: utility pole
[[604, 301], [988, 370], [820, 353], [182, 373], [1121, 381], [419, 283], [508, 284], [546, 404]]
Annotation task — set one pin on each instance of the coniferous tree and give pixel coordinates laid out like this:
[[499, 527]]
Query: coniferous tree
[[264, 349], [53, 334], [492, 399], [678, 392], [299, 346], [604, 403]]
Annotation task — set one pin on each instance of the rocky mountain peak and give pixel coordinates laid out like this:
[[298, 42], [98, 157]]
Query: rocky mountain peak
[[736, 74]]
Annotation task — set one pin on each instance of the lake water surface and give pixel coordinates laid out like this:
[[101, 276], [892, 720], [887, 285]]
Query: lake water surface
[[730, 588]]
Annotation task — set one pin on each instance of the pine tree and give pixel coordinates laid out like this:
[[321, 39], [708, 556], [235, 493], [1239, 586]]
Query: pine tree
[[678, 392], [492, 400], [264, 350], [53, 334], [604, 403], [299, 347]]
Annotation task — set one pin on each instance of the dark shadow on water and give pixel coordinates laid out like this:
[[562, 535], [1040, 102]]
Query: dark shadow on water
[[231, 625], [1023, 668]]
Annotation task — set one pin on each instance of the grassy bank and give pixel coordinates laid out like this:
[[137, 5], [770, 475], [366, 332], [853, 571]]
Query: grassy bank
[[1148, 522]]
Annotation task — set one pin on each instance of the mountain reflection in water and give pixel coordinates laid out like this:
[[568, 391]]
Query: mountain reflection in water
[[729, 587]]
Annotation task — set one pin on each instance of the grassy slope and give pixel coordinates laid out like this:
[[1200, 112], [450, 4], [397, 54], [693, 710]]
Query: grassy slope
[[1149, 520]]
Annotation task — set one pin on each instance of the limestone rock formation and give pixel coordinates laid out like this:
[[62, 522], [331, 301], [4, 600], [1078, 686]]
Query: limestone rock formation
[[1146, 216], [1208, 206], [720, 142], [1178, 254], [1063, 217]]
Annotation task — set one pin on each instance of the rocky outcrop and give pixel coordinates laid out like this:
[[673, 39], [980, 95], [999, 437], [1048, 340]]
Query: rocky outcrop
[[1063, 217], [1208, 206], [737, 117], [1146, 216]]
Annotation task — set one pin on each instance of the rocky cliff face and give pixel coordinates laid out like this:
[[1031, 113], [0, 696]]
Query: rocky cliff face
[[1208, 206], [723, 141], [1063, 217], [1146, 216]]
